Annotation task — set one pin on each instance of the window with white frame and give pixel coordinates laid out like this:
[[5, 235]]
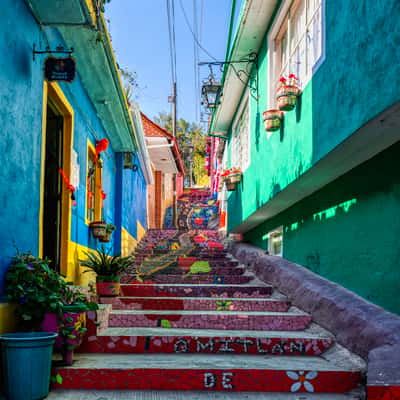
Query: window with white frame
[[297, 41], [240, 153], [275, 242]]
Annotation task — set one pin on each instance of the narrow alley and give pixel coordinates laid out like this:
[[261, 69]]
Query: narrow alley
[[191, 317]]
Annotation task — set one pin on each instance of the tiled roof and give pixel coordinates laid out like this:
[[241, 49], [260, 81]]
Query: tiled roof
[[151, 129]]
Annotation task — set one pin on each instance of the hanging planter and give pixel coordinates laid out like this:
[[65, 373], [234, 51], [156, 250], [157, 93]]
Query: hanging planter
[[235, 175], [230, 186], [272, 120], [107, 237], [287, 93], [99, 229]]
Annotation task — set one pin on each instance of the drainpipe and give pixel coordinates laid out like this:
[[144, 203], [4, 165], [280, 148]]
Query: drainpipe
[[174, 199]]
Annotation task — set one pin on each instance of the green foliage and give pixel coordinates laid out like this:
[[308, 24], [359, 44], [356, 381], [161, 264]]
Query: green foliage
[[192, 144], [103, 264], [130, 82], [37, 289]]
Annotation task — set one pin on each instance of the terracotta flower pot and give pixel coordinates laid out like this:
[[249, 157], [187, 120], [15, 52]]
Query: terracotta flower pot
[[108, 286], [272, 120], [287, 97], [98, 228], [230, 186]]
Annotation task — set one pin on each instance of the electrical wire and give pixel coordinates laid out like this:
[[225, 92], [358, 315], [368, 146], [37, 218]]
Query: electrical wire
[[171, 35], [195, 63], [193, 34]]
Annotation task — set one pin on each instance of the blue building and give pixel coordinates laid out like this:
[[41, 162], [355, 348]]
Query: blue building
[[72, 152]]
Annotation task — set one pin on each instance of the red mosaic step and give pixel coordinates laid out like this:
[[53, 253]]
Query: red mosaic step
[[214, 271], [236, 291], [210, 320], [196, 303], [225, 373], [160, 340], [199, 279]]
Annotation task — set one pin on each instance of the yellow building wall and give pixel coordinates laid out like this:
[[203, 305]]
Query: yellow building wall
[[75, 273], [128, 243]]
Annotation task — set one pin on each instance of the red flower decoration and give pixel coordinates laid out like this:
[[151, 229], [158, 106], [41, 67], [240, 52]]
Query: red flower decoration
[[101, 145], [283, 80]]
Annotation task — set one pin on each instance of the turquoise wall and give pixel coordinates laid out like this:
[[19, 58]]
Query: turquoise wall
[[21, 93], [356, 82], [348, 231]]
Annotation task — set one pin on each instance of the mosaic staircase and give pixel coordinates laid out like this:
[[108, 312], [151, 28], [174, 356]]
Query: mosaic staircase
[[217, 330]]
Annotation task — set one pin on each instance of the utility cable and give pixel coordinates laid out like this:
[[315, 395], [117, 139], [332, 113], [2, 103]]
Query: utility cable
[[193, 34]]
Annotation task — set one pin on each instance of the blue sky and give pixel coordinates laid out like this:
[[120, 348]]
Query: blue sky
[[139, 31]]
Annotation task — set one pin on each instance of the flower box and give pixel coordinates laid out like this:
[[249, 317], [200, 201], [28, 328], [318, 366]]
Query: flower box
[[272, 120]]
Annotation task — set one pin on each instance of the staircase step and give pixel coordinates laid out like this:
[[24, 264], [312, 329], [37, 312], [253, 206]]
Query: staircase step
[[196, 303], [181, 290], [199, 279], [256, 320], [161, 340], [220, 372], [63, 394], [214, 271]]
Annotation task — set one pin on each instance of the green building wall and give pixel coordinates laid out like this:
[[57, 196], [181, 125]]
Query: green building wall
[[347, 231], [356, 82]]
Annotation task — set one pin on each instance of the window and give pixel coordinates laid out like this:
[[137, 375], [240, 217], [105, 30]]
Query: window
[[275, 242], [240, 155], [93, 187], [297, 42]]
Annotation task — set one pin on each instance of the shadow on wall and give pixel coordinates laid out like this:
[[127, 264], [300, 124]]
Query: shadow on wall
[[348, 231]]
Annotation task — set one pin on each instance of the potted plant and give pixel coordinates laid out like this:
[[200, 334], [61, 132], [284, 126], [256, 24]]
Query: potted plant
[[287, 93], [44, 301], [108, 269], [272, 120], [235, 175], [70, 323], [98, 228], [107, 237]]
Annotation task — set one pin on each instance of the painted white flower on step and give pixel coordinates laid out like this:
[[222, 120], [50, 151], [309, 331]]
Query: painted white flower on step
[[302, 378]]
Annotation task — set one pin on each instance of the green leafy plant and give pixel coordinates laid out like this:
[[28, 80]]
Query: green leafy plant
[[36, 289], [103, 264]]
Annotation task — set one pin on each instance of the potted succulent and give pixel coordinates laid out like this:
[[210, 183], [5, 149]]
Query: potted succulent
[[108, 269], [272, 120], [98, 228], [287, 92], [107, 237]]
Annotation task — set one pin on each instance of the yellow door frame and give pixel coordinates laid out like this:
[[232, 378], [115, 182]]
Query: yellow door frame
[[53, 92]]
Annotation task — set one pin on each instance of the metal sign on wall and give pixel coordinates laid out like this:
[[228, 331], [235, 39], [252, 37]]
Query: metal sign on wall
[[59, 69]]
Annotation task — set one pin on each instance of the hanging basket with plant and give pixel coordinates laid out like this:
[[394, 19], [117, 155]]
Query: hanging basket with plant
[[287, 93], [235, 175], [107, 237], [99, 229], [272, 120]]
